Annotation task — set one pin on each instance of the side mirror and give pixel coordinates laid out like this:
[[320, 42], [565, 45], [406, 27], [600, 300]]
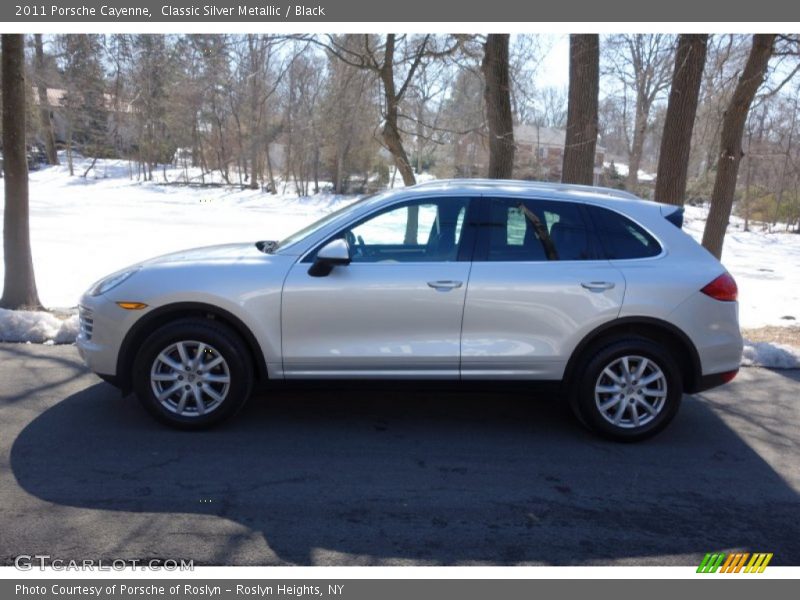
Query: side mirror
[[334, 253]]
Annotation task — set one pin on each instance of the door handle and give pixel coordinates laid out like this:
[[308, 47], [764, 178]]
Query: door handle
[[444, 285], [597, 286]]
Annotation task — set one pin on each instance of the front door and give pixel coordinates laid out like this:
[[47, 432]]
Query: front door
[[395, 310]]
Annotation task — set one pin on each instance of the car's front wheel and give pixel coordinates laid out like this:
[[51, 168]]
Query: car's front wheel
[[192, 373], [630, 389]]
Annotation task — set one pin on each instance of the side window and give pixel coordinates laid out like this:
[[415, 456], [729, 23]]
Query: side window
[[414, 232], [620, 237], [537, 230]]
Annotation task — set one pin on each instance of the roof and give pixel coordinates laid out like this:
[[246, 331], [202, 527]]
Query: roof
[[540, 136], [544, 136], [57, 98]]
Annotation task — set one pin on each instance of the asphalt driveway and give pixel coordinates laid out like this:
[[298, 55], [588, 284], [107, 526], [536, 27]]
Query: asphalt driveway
[[390, 475]]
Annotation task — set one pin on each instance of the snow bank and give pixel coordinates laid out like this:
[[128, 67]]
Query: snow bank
[[37, 327], [771, 356], [766, 267]]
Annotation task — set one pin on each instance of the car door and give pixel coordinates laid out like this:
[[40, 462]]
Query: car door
[[537, 286], [396, 309]]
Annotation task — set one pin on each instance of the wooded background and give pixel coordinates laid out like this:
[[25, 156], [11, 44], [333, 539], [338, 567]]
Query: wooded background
[[676, 118]]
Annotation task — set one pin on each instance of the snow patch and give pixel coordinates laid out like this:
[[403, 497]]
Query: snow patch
[[771, 356], [38, 327]]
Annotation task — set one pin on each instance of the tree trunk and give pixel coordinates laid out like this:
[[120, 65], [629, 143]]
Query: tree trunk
[[637, 147], [273, 187], [497, 93], [255, 112], [786, 160], [731, 142], [748, 175], [69, 150], [254, 156], [673, 160], [19, 288], [394, 143], [44, 106], [391, 133], [584, 86]]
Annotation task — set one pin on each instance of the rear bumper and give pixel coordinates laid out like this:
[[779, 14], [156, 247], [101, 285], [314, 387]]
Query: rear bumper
[[707, 382], [713, 328]]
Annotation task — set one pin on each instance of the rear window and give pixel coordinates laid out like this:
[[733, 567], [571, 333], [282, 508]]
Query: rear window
[[620, 237]]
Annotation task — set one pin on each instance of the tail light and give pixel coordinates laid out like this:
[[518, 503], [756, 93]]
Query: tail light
[[723, 288]]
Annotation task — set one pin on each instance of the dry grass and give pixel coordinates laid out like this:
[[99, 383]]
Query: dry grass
[[789, 335]]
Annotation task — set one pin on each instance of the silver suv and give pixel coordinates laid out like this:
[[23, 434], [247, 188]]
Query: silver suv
[[462, 280]]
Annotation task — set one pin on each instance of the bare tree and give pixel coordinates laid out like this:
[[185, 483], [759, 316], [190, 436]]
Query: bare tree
[[641, 62], [552, 103], [84, 102], [395, 55], [676, 142], [350, 106], [731, 141], [497, 94], [724, 56], [19, 286], [785, 164], [385, 63], [262, 79], [45, 121], [584, 87]]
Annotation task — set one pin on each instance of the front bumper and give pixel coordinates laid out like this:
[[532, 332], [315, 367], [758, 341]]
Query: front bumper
[[102, 330]]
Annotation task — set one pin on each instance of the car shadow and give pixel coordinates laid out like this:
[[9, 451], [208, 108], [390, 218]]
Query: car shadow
[[412, 474]]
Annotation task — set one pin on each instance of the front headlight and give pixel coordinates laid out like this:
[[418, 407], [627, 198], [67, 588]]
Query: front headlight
[[110, 282]]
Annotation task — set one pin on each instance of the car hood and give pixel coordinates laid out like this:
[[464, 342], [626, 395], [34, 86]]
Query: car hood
[[221, 253]]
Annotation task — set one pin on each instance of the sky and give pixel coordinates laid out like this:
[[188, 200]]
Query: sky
[[554, 70]]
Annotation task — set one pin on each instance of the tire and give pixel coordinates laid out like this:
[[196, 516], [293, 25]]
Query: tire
[[205, 393], [632, 407]]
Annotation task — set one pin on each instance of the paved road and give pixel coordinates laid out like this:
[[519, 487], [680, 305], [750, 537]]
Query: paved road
[[389, 476]]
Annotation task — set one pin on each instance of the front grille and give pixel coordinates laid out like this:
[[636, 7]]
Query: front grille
[[86, 318]]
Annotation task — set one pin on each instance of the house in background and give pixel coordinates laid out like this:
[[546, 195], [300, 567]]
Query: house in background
[[119, 126], [539, 154]]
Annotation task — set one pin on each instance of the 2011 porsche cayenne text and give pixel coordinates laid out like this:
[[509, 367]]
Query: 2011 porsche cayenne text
[[470, 280]]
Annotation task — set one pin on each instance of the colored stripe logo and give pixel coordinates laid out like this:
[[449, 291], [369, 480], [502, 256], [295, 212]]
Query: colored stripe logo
[[735, 563]]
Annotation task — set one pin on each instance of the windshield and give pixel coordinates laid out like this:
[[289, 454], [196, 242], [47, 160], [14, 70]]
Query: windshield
[[317, 225]]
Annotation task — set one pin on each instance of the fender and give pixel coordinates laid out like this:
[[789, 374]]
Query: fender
[[647, 326], [170, 312]]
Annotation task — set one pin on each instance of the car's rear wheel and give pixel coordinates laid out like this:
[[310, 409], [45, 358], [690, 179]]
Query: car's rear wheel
[[630, 389], [193, 373]]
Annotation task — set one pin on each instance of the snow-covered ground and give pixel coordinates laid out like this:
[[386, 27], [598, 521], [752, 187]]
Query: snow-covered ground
[[83, 229], [766, 267]]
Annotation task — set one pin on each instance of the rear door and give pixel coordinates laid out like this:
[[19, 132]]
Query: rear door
[[538, 285]]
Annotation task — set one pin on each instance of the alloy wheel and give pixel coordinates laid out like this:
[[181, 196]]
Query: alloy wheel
[[190, 378], [630, 392]]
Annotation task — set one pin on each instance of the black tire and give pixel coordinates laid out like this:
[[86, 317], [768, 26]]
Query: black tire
[[225, 343], [583, 401]]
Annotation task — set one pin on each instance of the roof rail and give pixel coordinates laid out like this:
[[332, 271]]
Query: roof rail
[[540, 185]]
